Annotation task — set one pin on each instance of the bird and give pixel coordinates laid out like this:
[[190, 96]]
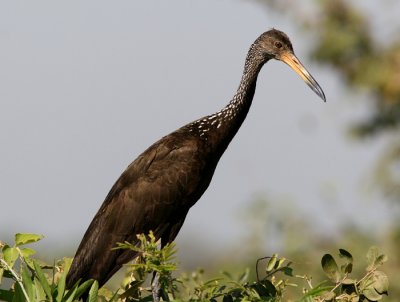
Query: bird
[[156, 190]]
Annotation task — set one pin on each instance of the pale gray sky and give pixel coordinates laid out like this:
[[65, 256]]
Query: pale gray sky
[[85, 87]]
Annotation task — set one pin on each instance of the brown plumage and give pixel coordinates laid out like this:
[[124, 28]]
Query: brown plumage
[[157, 190]]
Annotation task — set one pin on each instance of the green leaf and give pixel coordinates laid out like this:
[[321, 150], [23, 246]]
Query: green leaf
[[242, 278], [71, 296], [375, 258], [6, 295], [375, 286], [348, 266], [114, 297], [271, 263], [381, 259], [132, 292], [42, 279], [318, 290], [39, 291], [288, 271], [93, 292], [26, 252], [371, 294], [10, 255], [27, 282], [61, 287], [330, 267], [381, 282], [18, 294], [21, 239], [372, 254], [281, 261], [77, 290], [345, 254]]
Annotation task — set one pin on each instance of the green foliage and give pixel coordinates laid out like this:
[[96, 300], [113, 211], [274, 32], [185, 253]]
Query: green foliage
[[33, 279], [151, 259], [36, 281], [372, 286]]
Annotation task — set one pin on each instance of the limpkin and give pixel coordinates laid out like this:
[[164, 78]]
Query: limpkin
[[157, 190]]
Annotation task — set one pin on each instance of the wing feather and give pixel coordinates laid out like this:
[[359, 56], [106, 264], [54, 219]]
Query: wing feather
[[154, 193]]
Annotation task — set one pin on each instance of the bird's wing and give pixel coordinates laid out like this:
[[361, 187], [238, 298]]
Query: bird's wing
[[153, 193]]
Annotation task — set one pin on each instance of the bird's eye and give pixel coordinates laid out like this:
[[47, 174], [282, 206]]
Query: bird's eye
[[278, 44]]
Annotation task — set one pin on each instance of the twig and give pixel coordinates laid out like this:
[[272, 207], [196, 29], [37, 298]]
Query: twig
[[308, 280], [337, 285], [17, 279], [366, 276], [258, 260]]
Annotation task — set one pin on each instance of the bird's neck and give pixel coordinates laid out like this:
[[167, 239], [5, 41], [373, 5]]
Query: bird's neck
[[218, 129]]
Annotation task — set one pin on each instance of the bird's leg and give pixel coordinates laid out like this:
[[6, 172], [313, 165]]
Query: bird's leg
[[155, 287]]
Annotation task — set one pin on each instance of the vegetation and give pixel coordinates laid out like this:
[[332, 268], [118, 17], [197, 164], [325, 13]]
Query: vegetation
[[347, 38], [33, 280], [366, 64]]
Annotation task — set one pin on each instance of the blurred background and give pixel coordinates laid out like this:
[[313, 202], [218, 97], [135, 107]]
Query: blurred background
[[86, 87]]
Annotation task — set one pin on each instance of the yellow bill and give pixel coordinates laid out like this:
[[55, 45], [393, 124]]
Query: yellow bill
[[291, 60]]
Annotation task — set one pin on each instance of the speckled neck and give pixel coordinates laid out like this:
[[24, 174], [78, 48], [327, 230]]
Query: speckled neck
[[219, 128]]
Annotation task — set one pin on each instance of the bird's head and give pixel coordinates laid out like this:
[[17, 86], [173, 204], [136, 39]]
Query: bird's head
[[275, 44]]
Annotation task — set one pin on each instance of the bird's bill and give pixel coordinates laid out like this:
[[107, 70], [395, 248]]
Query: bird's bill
[[291, 60]]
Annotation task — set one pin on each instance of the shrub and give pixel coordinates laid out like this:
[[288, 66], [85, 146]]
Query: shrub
[[32, 280]]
